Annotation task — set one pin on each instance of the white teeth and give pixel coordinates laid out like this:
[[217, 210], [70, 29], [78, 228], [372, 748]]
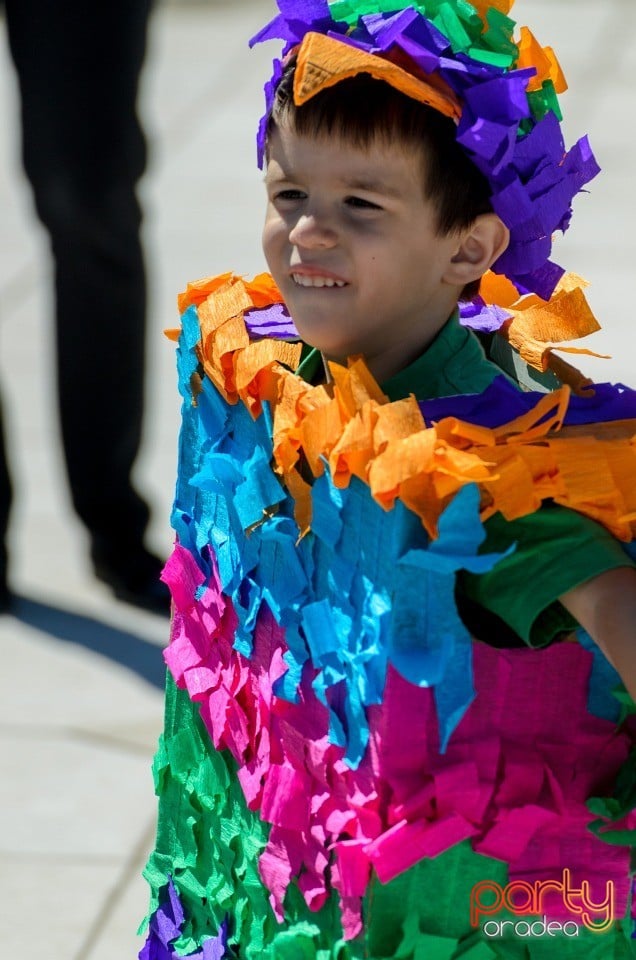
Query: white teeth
[[304, 281]]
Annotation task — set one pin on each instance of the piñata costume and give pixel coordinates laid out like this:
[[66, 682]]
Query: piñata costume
[[345, 771]]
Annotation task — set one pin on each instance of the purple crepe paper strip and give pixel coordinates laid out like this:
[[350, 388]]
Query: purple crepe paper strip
[[270, 93], [545, 278], [273, 321], [307, 10], [502, 402], [502, 99], [215, 947], [165, 927], [295, 18], [484, 317]]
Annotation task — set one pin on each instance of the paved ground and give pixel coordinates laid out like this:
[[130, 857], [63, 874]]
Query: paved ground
[[81, 676]]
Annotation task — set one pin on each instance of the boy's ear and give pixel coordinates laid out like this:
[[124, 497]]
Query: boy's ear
[[477, 249]]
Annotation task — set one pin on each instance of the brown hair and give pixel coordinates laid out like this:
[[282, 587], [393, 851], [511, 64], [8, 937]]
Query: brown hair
[[362, 109]]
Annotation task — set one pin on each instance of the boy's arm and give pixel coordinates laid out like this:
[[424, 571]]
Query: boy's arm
[[606, 607]]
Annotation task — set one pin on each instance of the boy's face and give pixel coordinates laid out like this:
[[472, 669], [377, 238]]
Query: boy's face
[[352, 243]]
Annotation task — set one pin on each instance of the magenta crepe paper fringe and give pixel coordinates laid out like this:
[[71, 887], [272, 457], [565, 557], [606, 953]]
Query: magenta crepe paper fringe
[[514, 779]]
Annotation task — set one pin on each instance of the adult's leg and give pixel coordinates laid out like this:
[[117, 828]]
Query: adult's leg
[[78, 66]]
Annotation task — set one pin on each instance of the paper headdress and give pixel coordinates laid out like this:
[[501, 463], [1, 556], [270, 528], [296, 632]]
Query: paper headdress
[[502, 94]]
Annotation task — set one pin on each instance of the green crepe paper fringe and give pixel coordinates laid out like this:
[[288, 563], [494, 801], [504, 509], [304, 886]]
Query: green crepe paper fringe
[[209, 842], [458, 20], [491, 43], [611, 810]]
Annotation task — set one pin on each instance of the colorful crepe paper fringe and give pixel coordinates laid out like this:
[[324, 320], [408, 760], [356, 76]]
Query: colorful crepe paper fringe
[[356, 432], [520, 785], [507, 90], [208, 845], [325, 739], [534, 328]]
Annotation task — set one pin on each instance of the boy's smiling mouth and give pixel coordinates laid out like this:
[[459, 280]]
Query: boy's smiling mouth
[[305, 280]]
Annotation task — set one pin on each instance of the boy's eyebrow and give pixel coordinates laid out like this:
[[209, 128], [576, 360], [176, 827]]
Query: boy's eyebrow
[[368, 184], [372, 185]]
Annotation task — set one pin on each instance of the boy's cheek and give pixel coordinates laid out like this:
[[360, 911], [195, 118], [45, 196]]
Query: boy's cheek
[[267, 241], [277, 270], [273, 229], [275, 249]]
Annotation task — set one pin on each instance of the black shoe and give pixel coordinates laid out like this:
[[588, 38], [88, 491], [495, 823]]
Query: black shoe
[[133, 577]]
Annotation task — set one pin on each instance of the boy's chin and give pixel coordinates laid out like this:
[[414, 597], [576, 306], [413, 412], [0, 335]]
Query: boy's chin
[[329, 347]]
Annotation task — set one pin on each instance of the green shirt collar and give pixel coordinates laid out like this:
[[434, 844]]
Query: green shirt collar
[[453, 363]]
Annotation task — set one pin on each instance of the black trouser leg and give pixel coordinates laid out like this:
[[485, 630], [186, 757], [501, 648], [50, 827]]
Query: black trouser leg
[[78, 66], [100, 356]]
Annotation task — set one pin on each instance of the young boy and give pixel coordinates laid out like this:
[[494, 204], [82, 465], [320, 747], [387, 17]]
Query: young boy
[[346, 771], [374, 228]]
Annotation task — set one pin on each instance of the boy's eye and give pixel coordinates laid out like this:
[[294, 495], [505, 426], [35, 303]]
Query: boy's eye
[[290, 195], [359, 203]]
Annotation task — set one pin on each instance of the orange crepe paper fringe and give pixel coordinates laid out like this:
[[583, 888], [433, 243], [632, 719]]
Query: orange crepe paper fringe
[[324, 61], [537, 325], [543, 59], [351, 425]]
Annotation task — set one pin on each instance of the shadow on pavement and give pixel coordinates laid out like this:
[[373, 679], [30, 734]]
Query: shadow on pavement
[[127, 649]]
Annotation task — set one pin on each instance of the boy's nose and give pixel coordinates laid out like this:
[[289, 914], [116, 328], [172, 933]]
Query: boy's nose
[[312, 231]]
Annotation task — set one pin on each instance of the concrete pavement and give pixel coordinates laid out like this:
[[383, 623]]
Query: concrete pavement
[[81, 675]]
